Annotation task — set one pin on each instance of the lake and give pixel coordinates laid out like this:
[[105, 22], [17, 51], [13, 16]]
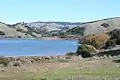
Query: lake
[[37, 47]]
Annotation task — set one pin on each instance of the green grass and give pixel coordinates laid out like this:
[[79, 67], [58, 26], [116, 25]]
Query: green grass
[[103, 69], [63, 73]]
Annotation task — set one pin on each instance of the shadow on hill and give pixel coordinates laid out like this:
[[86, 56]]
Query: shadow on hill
[[116, 61]]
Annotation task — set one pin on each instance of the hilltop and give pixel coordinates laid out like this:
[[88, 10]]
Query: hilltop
[[64, 30], [96, 27], [35, 29]]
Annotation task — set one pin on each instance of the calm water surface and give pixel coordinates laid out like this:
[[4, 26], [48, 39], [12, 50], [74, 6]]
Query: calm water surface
[[37, 47]]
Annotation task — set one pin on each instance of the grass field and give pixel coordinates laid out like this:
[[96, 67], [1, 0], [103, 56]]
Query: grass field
[[84, 69]]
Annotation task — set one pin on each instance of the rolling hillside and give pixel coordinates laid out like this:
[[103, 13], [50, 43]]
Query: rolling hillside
[[49, 29], [96, 27]]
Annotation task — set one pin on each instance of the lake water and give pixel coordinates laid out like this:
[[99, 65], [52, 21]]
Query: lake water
[[37, 47]]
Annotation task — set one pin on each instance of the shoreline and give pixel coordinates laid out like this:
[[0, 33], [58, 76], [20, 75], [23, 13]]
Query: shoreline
[[33, 56], [41, 38]]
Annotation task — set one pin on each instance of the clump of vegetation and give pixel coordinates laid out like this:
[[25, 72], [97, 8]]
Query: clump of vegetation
[[67, 57], [70, 54], [86, 50], [62, 60], [30, 30], [98, 41], [43, 79], [20, 30], [62, 35], [37, 59], [115, 34], [4, 61], [110, 44], [2, 33], [16, 64], [105, 25], [76, 31]]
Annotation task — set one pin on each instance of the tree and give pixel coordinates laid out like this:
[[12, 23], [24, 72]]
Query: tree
[[85, 50], [98, 40], [105, 25], [110, 44], [2, 33], [62, 35], [4, 61], [70, 54], [20, 30], [115, 35]]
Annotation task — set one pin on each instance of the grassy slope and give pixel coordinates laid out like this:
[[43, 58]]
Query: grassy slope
[[10, 31], [94, 27]]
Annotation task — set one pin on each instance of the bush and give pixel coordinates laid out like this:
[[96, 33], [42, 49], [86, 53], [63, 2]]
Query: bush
[[62, 35], [98, 41], [62, 60], [110, 44], [16, 64], [70, 54], [4, 61], [20, 30], [105, 25], [43, 79], [19, 36], [2, 33], [115, 34], [86, 50], [68, 57]]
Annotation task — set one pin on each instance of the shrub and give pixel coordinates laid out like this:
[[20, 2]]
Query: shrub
[[19, 36], [4, 61], [67, 57], [62, 60], [86, 50], [2, 33], [115, 34], [98, 41], [43, 79], [76, 31], [62, 35], [20, 30], [105, 25], [70, 54], [16, 64], [110, 44]]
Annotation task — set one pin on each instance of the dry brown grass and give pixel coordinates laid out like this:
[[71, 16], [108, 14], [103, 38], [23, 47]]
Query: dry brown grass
[[97, 40], [76, 69]]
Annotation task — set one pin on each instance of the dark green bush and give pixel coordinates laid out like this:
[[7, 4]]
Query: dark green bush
[[70, 54], [62, 35], [2, 33], [20, 30], [105, 25], [4, 61], [16, 64], [67, 57], [86, 50], [43, 79], [110, 44], [76, 31], [115, 34]]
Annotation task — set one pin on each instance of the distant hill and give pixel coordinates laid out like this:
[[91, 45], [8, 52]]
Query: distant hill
[[35, 29], [52, 26], [10, 31], [96, 27], [63, 29]]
